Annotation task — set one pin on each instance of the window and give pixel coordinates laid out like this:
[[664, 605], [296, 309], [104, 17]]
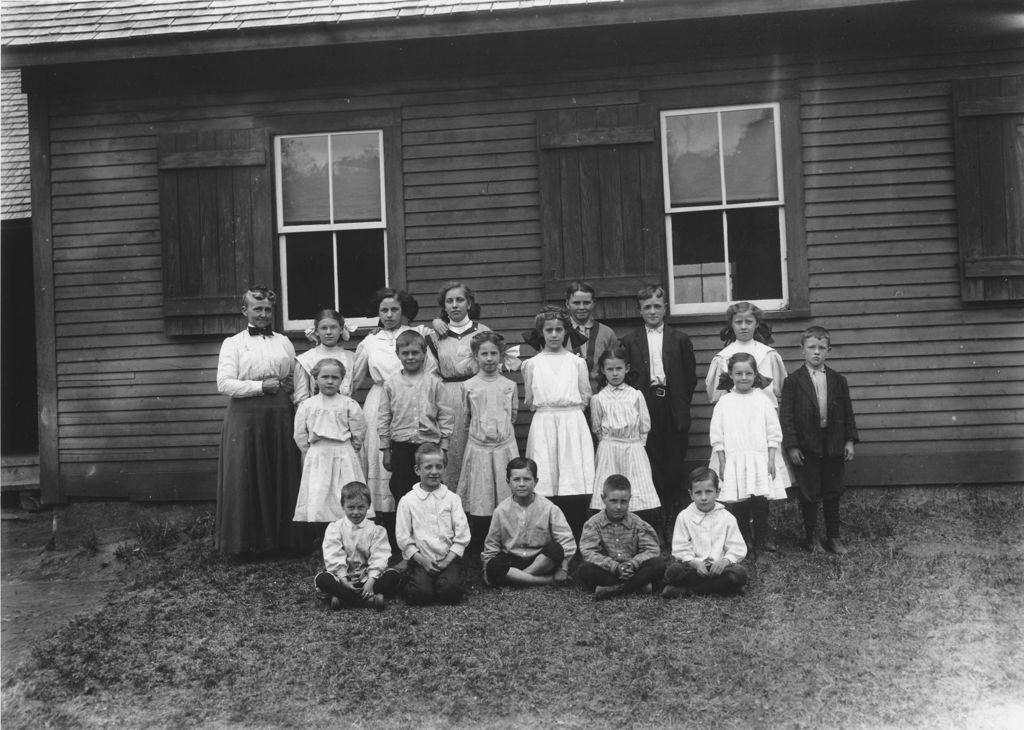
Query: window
[[725, 215], [331, 224]]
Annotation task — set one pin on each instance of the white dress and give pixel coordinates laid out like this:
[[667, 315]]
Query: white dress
[[557, 390], [305, 383], [745, 426], [769, 364], [619, 417], [377, 358], [328, 431]]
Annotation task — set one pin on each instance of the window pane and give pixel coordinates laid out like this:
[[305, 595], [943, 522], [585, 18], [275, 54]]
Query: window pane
[[355, 165], [360, 269], [748, 149], [754, 249], [310, 265], [304, 185], [698, 256], [693, 165]]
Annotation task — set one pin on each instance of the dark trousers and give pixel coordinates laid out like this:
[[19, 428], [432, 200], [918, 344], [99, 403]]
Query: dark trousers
[[386, 585], [403, 469], [685, 575], [666, 450], [576, 509], [591, 575], [422, 588], [500, 564], [821, 480], [830, 508], [821, 477]]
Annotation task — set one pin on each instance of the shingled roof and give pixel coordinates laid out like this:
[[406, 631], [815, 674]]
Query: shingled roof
[[15, 191], [29, 23]]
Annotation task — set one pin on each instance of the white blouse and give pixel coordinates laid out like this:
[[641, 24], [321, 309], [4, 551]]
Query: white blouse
[[246, 361], [305, 383]]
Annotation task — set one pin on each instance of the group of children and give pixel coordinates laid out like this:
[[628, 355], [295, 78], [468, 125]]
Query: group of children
[[531, 512]]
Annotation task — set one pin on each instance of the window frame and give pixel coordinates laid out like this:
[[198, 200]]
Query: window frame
[[781, 203], [282, 230]]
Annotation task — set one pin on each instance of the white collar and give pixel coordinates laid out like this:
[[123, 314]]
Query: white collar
[[460, 328], [655, 330], [423, 493]]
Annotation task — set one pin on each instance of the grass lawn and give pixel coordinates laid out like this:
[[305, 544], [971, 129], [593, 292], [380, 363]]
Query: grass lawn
[[919, 626]]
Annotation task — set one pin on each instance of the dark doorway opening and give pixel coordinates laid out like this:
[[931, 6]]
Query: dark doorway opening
[[19, 430]]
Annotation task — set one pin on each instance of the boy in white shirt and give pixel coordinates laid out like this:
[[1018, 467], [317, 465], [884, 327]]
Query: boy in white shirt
[[432, 533], [356, 553], [706, 545]]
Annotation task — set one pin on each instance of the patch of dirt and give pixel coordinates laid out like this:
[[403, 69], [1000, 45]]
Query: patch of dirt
[[42, 587]]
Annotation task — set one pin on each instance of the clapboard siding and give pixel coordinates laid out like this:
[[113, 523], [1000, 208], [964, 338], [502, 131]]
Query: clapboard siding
[[929, 376]]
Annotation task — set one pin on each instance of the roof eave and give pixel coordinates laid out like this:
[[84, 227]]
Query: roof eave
[[412, 28]]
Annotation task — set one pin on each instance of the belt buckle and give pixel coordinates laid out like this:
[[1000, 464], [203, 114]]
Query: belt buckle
[[659, 390]]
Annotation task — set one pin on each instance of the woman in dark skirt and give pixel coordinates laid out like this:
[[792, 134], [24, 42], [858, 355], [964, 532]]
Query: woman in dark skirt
[[259, 468]]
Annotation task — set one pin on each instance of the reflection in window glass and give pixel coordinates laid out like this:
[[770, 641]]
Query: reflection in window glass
[[748, 155], [304, 181], [693, 164], [355, 170]]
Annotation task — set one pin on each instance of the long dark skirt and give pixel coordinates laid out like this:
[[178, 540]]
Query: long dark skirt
[[258, 478]]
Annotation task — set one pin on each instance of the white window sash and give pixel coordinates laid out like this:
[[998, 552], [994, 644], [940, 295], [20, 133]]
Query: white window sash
[[682, 308], [283, 230]]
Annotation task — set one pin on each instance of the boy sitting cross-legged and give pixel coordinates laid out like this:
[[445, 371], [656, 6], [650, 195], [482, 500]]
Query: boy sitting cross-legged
[[356, 553], [707, 545], [529, 542], [620, 551], [432, 532]]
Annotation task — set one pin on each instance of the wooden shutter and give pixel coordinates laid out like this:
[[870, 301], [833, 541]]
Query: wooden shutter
[[601, 210], [990, 187], [216, 226]]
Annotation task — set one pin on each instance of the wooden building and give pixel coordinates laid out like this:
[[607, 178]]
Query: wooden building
[[852, 163]]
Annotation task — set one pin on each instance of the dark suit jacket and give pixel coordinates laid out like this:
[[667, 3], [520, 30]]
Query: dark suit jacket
[[680, 370], [801, 424]]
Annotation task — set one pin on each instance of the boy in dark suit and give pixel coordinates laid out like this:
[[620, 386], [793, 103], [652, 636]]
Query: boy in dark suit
[[818, 432], [662, 367]]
